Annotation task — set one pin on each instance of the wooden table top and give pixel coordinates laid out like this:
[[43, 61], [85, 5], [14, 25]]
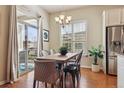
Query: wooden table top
[[59, 57]]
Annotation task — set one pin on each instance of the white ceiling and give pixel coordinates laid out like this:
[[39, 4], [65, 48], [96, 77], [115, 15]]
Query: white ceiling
[[58, 8], [26, 11], [34, 10]]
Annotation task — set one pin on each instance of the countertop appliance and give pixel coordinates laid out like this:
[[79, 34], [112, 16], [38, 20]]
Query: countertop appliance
[[114, 46]]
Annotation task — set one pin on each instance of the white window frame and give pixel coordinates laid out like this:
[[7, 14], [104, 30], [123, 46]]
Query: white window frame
[[73, 22]]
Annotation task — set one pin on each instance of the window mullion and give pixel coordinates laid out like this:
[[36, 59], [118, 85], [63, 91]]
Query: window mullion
[[73, 48]]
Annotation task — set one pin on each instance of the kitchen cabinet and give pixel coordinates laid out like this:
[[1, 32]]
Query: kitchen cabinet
[[122, 16], [106, 18], [120, 75], [112, 65], [114, 17]]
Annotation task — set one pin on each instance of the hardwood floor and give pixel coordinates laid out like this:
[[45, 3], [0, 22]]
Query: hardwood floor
[[88, 79]]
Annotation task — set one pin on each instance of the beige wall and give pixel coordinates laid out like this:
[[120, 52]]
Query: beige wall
[[4, 20], [45, 24], [93, 16]]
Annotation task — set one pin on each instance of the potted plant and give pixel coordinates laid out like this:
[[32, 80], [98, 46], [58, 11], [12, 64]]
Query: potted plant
[[63, 50], [96, 53]]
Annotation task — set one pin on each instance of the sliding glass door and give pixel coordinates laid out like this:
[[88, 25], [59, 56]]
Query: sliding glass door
[[31, 46], [27, 43], [22, 48]]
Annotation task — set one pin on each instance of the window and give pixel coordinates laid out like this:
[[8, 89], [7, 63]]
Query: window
[[74, 36]]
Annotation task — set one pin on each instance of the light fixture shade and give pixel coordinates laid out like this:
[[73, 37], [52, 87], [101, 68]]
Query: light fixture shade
[[57, 19], [60, 21], [63, 20], [67, 21], [62, 17], [69, 18]]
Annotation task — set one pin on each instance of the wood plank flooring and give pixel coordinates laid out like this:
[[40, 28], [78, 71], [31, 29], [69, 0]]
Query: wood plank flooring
[[88, 79]]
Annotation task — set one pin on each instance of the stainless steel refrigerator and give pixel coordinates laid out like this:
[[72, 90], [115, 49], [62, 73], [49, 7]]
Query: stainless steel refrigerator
[[114, 46]]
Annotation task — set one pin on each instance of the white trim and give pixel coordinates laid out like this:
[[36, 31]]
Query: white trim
[[3, 82], [86, 66], [11, 82], [90, 67]]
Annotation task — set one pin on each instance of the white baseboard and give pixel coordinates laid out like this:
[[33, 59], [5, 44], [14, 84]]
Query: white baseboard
[[3, 82], [90, 67], [86, 66]]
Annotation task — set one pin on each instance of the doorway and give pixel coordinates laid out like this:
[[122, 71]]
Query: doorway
[[27, 44]]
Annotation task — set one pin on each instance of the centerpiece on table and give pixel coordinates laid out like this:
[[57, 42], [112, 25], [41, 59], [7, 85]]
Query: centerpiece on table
[[63, 50]]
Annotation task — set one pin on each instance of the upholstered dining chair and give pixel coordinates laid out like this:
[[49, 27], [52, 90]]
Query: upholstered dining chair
[[44, 53], [45, 71], [52, 51], [74, 69]]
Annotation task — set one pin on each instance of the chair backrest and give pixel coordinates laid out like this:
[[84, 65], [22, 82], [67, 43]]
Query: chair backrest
[[44, 53], [79, 57], [52, 51], [45, 71]]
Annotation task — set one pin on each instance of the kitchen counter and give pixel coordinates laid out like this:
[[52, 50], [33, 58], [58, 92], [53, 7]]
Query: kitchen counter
[[120, 70]]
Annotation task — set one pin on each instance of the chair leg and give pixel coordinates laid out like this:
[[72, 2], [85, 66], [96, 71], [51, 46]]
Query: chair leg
[[45, 85], [79, 71], [38, 84], [34, 84], [61, 82], [52, 85], [77, 76], [65, 79], [73, 79]]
